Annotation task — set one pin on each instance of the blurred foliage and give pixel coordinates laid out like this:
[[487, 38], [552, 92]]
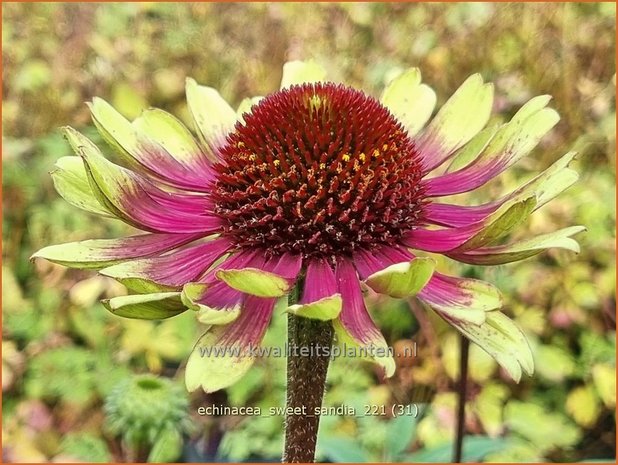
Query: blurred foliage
[[62, 352]]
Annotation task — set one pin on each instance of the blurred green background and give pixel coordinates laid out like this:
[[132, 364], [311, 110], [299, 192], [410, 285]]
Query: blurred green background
[[66, 362]]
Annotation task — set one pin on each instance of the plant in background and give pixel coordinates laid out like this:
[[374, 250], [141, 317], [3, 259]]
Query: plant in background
[[150, 414], [312, 192]]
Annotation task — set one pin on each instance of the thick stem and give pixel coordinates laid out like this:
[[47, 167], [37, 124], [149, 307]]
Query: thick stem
[[461, 407], [309, 344]]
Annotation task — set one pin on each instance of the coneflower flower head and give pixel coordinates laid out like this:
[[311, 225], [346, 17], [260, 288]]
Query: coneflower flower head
[[316, 183]]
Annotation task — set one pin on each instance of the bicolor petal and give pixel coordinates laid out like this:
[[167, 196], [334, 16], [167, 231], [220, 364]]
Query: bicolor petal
[[170, 271], [511, 142], [225, 353], [369, 262], [214, 304], [100, 253], [214, 118], [485, 232], [167, 131], [134, 199], [458, 121], [139, 145], [321, 299], [354, 326], [461, 298], [527, 248], [545, 187]]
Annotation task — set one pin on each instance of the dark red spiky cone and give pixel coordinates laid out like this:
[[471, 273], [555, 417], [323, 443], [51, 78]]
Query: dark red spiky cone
[[319, 170]]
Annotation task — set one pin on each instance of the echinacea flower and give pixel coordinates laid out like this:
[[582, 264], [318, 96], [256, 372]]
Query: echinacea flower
[[316, 183]]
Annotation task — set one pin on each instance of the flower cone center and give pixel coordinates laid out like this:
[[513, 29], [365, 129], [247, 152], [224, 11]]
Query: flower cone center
[[318, 170]]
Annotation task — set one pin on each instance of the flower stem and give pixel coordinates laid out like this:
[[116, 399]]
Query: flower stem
[[309, 343], [461, 407]]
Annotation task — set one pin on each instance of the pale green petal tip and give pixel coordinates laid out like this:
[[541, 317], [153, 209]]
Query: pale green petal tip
[[504, 341], [381, 350], [155, 306], [301, 72], [255, 282], [71, 255], [217, 370], [403, 280], [411, 102], [324, 309], [126, 274], [71, 182], [192, 292]]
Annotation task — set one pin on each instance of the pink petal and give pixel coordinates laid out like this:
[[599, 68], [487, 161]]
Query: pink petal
[[286, 266], [165, 168], [140, 203], [354, 315], [181, 266], [440, 240], [249, 328], [446, 293], [449, 215], [370, 262], [220, 296], [320, 281], [466, 179]]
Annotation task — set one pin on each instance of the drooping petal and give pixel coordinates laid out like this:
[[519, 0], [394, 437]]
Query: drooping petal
[[299, 72], [448, 292], [215, 304], [462, 299], [501, 338], [155, 306], [457, 216], [410, 101], [214, 118], [403, 279], [178, 201], [131, 198], [135, 143], [354, 326], [498, 225], [214, 300], [100, 253], [167, 131], [512, 141], [71, 182], [458, 121], [485, 232], [469, 152], [440, 240], [321, 299], [224, 353], [502, 254], [169, 271], [545, 187], [263, 278], [369, 262]]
